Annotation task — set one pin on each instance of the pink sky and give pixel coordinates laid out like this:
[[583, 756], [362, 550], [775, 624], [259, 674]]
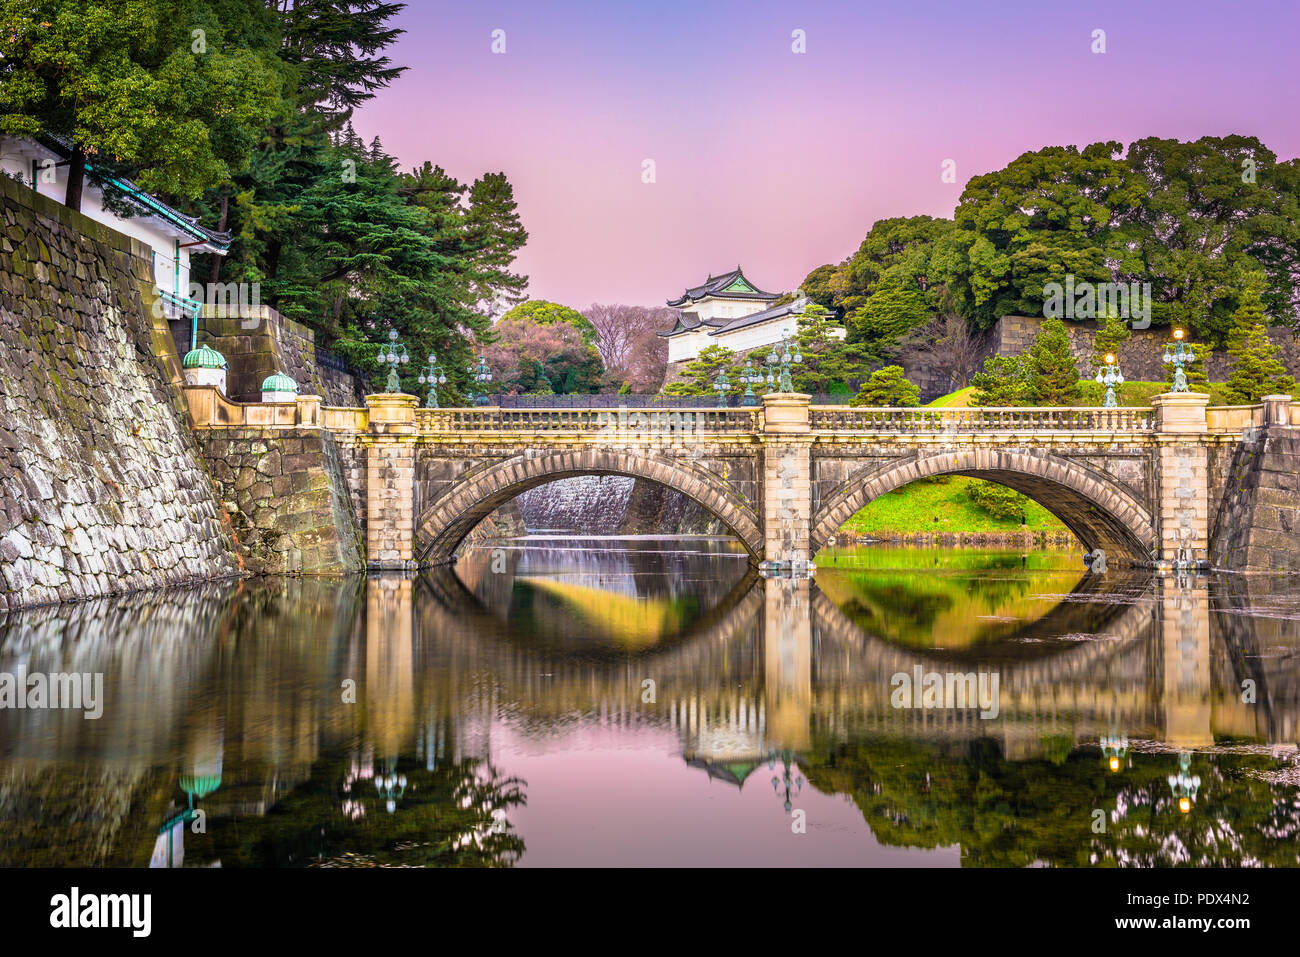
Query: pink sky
[[781, 161]]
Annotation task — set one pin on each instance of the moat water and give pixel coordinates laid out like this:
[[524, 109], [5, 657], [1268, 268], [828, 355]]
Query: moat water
[[638, 702]]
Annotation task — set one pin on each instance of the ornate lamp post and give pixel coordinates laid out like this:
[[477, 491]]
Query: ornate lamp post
[[786, 779], [785, 359], [1183, 785], [751, 377], [482, 375], [1179, 355], [435, 377], [721, 385], [1115, 748], [1110, 376], [393, 355]]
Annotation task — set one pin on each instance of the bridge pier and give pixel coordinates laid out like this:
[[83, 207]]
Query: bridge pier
[[390, 482], [1182, 480], [1185, 658], [787, 659], [787, 483]]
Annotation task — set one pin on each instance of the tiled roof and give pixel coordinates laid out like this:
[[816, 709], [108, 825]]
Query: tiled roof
[[767, 315], [213, 241], [718, 286]]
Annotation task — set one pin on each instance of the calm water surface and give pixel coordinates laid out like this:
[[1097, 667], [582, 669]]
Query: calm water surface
[[572, 701]]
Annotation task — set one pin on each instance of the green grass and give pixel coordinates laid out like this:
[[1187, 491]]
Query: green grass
[[953, 400], [940, 504]]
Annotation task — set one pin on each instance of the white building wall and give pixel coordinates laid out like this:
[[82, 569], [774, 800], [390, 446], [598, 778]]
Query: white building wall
[[742, 341], [16, 160], [712, 307]]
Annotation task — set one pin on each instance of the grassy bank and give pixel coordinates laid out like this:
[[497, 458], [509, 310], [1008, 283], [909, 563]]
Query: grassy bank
[[941, 505]]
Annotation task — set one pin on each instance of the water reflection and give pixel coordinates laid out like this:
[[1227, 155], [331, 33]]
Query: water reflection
[[571, 702]]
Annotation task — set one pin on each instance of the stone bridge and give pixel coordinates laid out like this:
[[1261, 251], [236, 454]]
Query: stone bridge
[[1148, 486]]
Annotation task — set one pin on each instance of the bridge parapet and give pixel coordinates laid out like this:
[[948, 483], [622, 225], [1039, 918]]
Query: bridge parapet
[[1036, 420], [496, 420]]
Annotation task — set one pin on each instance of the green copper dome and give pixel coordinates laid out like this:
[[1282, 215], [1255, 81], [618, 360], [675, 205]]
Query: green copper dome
[[200, 785], [279, 383], [204, 357]]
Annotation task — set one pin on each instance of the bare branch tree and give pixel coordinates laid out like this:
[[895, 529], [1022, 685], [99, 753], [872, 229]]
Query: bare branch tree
[[628, 346], [944, 344]]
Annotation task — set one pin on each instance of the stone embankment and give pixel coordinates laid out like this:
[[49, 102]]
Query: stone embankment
[[102, 489]]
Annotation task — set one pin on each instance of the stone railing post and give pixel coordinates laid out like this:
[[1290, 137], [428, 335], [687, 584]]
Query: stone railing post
[[309, 412], [1183, 486], [1277, 410], [390, 481], [787, 483]]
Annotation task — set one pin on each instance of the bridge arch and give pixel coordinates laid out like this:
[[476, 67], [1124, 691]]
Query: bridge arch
[[1092, 505], [443, 525]]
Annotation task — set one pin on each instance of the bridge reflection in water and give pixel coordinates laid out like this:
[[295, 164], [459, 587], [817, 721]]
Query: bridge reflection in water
[[362, 723]]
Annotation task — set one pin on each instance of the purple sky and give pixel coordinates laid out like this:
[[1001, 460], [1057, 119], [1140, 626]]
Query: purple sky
[[779, 161]]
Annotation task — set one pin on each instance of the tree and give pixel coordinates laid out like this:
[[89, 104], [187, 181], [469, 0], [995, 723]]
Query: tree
[[629, 346], [998, 500], [896, 308], [1249, 312], [945, 343], [1005, 381], [335, 48], [1257, 370], [494, 237], [817, 286], [828, 361], [887, 387], [1053, 372], [1109, 340], [133, 86], [1211, 209], [1049, 213], [542, 358], [702, 371], [547, 313]]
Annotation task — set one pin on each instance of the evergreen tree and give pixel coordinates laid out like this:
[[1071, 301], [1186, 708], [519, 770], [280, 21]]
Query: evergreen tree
[[887, 387], [702, 371], [336, 50], [1249, 312], [495, 236], [1053, 373], [133, 85], [1257, 370], [828, 360], [1110, 339], [1005, 381]]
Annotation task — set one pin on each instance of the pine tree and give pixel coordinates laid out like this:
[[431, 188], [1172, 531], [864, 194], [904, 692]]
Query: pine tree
[[1249, 312], [703, 370], [1005, 381], [1053, 373], [887, 387], [827, 360], [1257, 370], [1110, 340], [495, 236]]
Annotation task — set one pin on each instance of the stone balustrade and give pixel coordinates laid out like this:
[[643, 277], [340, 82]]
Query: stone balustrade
[[1033, 419]]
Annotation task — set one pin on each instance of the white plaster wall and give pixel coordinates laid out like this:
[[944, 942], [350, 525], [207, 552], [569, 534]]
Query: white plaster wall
[[16, 160]]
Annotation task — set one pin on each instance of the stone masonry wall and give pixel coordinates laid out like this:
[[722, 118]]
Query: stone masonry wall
[[287, 500], [1141, 359], [263, 343], [1257, 526], [101, 487]]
